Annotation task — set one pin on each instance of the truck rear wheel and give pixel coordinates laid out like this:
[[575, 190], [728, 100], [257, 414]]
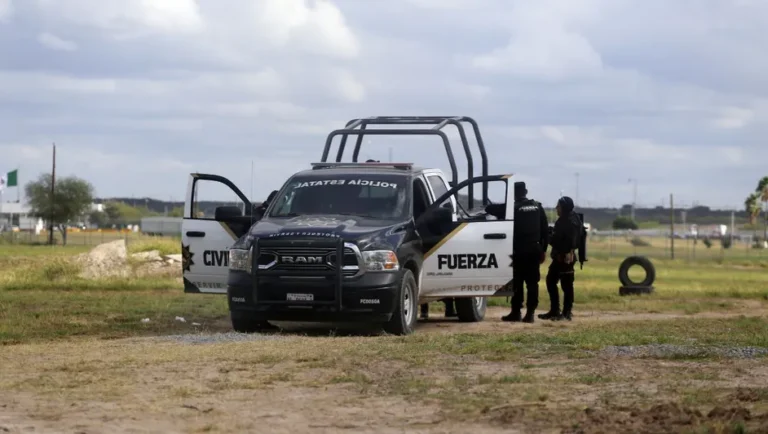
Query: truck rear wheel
[[471, 309], [404, 317]]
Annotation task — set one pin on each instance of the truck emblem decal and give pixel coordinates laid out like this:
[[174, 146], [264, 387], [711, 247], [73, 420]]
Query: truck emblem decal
[[464, 261], [301, 259]]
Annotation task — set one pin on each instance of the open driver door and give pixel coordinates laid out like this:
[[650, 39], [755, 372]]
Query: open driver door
[[468, 254], [208, 231]]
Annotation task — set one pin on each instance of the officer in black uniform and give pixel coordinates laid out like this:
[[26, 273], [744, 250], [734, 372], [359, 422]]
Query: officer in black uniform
[[565, 241], [529, 249]]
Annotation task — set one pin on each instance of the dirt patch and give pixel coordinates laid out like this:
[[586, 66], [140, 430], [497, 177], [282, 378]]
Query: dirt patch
[[666, 418], [112, 260], [301, 385]]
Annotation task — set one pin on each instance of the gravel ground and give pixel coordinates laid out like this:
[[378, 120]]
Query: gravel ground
[[213, 338], [667, 350]]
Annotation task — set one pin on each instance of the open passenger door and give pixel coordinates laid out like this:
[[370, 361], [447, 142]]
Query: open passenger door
[[208, 231], [468, 255]]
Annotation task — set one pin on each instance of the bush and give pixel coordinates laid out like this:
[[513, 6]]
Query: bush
[[707, 242], [59, 268], [624, 223], [726, 242], [639, 242]]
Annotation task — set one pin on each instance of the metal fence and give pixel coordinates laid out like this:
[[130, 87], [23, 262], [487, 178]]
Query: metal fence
[[745, 247]]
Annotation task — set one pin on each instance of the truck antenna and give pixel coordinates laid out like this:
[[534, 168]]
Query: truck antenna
[[251, 210]]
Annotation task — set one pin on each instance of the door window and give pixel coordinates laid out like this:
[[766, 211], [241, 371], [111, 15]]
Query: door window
[[210, 194], [438, 188]]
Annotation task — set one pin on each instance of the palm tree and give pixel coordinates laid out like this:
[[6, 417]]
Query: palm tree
[[752, 206], [761, 194]]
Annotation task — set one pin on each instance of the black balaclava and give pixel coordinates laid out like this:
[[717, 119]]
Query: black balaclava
[[566, 205], [520, 190]]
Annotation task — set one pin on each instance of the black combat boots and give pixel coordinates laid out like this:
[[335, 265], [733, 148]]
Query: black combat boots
[[513, 316], [528, 316], [552, 314]]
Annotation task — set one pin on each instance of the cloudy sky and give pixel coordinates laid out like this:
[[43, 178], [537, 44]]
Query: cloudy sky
[[139, 93]]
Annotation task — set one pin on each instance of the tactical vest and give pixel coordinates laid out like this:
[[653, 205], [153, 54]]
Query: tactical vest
[[527, 227]]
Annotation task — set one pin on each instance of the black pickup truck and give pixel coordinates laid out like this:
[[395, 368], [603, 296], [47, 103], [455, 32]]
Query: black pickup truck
[[351, 241]]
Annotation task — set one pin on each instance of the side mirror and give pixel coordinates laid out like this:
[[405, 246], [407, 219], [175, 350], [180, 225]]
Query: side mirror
[[498, 210], [270, 197], [436, 217], [224, 213], [440, 216]]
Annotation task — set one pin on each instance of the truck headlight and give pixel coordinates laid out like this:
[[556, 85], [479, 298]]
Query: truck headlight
[[240, 260], [381, 260]]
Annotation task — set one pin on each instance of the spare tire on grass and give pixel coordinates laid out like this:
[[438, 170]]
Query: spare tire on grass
[[645, 263]]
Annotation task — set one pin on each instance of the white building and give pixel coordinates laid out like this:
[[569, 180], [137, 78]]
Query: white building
[[15, 216]]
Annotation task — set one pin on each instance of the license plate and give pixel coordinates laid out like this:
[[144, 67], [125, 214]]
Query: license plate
[[300, 297]]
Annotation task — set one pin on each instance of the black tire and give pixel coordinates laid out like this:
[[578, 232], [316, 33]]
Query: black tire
[[244, 324], [405, 314], [471, 309], [642, 261]]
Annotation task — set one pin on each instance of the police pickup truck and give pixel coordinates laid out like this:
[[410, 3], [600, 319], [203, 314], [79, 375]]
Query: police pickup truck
[[350, 241]]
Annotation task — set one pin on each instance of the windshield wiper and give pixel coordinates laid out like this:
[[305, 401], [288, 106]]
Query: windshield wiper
[[357, 214]]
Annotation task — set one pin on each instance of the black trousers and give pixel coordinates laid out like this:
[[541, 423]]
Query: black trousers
[[526, 271], [564, 274]]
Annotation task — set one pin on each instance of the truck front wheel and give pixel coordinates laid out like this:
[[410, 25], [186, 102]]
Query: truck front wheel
[[404, 317]]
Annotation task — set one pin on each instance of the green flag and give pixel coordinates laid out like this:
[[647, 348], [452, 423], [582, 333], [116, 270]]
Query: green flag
[[12, 180]]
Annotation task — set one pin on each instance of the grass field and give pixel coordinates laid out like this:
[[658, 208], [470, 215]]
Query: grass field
[[688, 358]]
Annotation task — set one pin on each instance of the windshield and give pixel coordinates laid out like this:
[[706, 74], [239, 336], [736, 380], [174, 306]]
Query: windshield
[[373, 196]]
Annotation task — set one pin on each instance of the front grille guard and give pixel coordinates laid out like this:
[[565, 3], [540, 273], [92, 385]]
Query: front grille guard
[[337, 273]]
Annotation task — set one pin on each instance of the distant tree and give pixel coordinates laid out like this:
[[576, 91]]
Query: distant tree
[[621, 223], [98, 218], [176, 212], [752, 206], [72, 199], [755, 202], [112, 213]]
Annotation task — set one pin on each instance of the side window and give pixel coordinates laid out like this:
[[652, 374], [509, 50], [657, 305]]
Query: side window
[[420, 198], [438, 187], [209, 195], [496, 210]]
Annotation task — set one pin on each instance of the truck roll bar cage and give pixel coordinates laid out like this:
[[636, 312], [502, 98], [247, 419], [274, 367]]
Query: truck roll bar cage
[[439, 123]]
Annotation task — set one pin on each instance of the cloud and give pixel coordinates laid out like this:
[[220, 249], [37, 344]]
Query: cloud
[[137, 93], [6, 10], [126, 18], [733, 118], [55, 43]]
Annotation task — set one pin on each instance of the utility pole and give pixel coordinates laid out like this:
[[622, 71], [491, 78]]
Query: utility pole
[[53, 197], [634, 197], [672, 226], [733, 226]]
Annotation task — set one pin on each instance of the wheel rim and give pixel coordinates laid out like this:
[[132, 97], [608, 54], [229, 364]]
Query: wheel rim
[[408, 304], [479, 303]]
